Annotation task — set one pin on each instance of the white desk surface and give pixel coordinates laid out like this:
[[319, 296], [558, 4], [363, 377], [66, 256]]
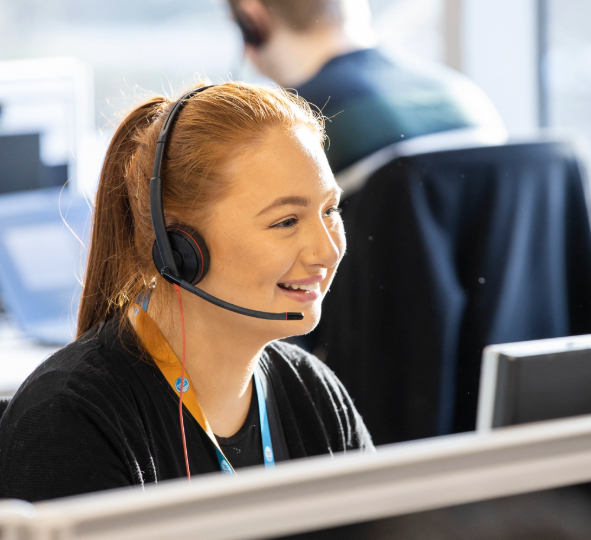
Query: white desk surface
[[19, 356]]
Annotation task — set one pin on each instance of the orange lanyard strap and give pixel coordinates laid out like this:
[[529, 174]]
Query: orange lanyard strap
[[170, 366]]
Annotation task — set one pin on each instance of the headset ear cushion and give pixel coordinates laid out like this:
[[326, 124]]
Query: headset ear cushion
[[190, 253]]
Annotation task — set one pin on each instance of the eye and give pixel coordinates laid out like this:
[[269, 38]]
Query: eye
[[333, 211], [290, 222]]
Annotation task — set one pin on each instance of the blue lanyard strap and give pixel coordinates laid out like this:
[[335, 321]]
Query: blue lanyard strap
[[268, 455]]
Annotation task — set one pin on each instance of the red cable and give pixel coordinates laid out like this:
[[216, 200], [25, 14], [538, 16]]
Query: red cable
[[182, 385]]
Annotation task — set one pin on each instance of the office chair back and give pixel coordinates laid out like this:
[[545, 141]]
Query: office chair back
[[448, 252]]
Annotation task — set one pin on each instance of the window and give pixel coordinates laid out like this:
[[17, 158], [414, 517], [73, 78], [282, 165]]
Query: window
[[412, 26], [139, 46], [566, 64]]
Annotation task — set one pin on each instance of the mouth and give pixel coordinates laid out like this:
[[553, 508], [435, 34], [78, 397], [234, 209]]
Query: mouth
[[301, 292]]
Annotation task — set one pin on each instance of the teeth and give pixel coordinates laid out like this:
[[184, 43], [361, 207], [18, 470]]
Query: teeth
[[301, 287]]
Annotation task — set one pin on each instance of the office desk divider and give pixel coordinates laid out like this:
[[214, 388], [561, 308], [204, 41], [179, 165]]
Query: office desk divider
[[321, 492]]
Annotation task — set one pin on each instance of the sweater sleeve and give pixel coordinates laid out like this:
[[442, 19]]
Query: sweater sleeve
[[56, 448]]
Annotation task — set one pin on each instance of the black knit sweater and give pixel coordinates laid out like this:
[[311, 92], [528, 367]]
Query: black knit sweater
[[95, 416]]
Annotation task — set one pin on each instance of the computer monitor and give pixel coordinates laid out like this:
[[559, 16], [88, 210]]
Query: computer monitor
[[532, 381], [22, 168], [46, 126], [331, 491], [46, 117]]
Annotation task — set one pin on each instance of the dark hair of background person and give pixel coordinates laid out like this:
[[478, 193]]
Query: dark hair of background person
[[214, 126], [301, 15]]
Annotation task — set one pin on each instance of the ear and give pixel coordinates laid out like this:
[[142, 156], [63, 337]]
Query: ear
[[255, 22]]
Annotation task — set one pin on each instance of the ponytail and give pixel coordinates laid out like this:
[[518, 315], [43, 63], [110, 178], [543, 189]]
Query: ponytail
[[111, 275]]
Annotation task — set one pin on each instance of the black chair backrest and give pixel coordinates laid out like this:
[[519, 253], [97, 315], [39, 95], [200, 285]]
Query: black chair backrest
[[448, 252], [3, 406]]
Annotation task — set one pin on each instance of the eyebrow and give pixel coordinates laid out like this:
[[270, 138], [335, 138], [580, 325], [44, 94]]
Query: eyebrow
[[283, 201]]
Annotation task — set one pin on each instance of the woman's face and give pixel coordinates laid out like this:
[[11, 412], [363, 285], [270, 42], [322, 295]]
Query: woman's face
[[277, 238]]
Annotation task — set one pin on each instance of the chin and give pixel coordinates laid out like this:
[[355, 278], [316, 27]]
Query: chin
[[309, 322], [303, 328], [312, 318]]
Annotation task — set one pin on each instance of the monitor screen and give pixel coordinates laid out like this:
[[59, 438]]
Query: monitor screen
[[535, 381]]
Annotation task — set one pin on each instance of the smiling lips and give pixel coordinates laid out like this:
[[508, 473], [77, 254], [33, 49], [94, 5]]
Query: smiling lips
[[302, 290]]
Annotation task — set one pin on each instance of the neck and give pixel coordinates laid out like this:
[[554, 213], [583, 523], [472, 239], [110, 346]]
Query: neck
[[292, 58], [220, 357]]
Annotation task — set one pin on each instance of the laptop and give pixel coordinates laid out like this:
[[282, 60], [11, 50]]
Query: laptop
[[46, 114], [43, 234]]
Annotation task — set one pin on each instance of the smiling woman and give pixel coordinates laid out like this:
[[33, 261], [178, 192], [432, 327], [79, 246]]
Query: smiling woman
[[160, 382]]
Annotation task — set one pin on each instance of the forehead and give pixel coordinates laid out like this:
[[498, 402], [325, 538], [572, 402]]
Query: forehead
[[285, 163]]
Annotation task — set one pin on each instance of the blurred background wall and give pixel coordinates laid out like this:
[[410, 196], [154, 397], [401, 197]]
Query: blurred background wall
[[533, 57]]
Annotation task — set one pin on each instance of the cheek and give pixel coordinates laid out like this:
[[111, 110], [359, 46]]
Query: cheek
[[248, 263]]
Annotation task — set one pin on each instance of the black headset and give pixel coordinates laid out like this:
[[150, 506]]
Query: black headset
[[179, 252]]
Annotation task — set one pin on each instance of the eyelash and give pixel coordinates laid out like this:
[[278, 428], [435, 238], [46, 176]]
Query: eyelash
[[293, 221], [333, 209]]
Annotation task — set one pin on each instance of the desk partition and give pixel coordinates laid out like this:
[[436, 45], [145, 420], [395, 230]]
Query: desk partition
[[321, 492]]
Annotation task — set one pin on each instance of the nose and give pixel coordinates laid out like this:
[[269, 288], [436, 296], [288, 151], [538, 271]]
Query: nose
[[325, 245]]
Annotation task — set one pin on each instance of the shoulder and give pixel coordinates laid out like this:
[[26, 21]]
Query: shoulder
[[73, 413], [57, 371], [288, 357], [292, 362], [343, 78], [89, 370], [79, 419]]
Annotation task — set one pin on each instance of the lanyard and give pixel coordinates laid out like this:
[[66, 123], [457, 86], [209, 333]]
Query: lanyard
[[170, 367]]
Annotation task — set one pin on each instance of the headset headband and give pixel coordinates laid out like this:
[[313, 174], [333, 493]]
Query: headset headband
[[156, 204]]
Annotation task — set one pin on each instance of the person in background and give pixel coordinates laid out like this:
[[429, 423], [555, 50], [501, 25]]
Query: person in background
[[327, 51]]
